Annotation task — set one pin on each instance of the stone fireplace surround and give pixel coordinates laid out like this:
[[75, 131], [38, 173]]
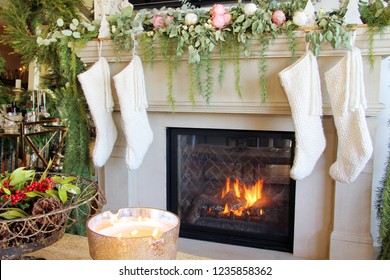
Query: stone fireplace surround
[[332, 220]]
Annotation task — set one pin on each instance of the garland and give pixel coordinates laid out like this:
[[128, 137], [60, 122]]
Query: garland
[[377, 17], [383, 213]]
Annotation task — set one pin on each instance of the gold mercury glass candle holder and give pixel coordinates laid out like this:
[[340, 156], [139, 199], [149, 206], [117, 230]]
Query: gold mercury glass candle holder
[[133, 234]]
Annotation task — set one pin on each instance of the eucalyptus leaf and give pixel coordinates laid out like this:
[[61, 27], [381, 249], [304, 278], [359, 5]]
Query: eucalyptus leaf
[[247, 23], [329, 36], [241, 18]]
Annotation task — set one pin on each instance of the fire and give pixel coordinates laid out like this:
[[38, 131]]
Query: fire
[[241, 190]]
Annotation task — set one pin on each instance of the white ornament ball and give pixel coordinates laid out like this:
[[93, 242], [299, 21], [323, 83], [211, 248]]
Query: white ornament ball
[[191, 19], [250, 9], [300, 18]]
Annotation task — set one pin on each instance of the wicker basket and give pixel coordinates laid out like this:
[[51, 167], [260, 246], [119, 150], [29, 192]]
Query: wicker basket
[[26, 235]]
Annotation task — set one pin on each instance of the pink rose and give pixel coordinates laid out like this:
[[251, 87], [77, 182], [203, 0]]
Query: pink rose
[[228, 18], [158, 21], [218, 21], [278, 17], [217, 9]]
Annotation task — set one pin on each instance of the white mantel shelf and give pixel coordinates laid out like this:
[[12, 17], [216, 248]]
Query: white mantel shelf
[[276, 104]]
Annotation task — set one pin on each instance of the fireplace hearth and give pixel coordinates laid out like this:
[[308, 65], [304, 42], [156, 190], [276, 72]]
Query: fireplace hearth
[[232, 186]]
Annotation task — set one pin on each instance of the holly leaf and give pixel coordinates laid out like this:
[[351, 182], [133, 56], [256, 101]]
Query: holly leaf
[[20, 175], [63, 180], [13, 213], [62, 194], [33, 194], [44, 174]]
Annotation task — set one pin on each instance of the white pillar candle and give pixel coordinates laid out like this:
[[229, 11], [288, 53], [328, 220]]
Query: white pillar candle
[[132, 228], [44, 101], [18, 83], [33, 100]]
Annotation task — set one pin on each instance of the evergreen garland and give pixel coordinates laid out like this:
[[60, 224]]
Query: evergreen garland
[[2, 64], [383, 213], [191, 91]]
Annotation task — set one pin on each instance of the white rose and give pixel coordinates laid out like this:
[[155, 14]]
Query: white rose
[[124, 4], [300, 18], [250, 9], [191, 19]]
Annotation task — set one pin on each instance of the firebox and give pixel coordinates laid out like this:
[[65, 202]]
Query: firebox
[[232, 186]]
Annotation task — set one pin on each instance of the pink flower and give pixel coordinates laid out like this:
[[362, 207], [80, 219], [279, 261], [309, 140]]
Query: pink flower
[[218, 21], [217, 9], [278, 17], [228, 18], [158, 21]]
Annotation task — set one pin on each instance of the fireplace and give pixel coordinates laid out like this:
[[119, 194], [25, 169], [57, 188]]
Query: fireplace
[[232, 186], [332, 220]]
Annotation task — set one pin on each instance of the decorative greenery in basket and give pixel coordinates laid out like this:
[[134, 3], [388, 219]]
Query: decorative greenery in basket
[[37, 206], [22, 194]]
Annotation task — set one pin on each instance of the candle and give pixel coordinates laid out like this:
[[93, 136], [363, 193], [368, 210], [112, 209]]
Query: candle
[[33, 100], [44, 102], [132, 228], [18, 83], [133, 233]]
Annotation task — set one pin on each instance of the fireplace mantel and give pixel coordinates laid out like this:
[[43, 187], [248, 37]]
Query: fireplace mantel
[[332, 220], [250, 102]]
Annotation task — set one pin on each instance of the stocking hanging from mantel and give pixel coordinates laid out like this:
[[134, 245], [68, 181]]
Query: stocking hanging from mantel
[[345, 84], [301, 83], [130, 87], [95, 83]]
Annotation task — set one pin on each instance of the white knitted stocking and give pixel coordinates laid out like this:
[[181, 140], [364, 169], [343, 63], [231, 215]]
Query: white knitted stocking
[[97, 90], [130, 87], [301, 84], [347, 96]]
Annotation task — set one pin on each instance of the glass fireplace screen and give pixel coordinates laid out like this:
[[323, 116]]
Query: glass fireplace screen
[[232, 186]]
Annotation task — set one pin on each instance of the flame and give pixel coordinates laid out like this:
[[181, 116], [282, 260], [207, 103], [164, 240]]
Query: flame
[[241, 190]]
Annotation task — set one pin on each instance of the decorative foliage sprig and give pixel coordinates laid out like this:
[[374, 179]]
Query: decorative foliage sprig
[[377, 17], [20, 189], [331, 30]]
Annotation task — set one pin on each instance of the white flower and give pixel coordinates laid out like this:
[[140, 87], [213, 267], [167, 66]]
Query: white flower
[[76, 35], [113, 29], [250, 9], [60, 22], [39, 40], [124, 4], [46, 42], [300, 18], [191, 19], [67, 32]]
